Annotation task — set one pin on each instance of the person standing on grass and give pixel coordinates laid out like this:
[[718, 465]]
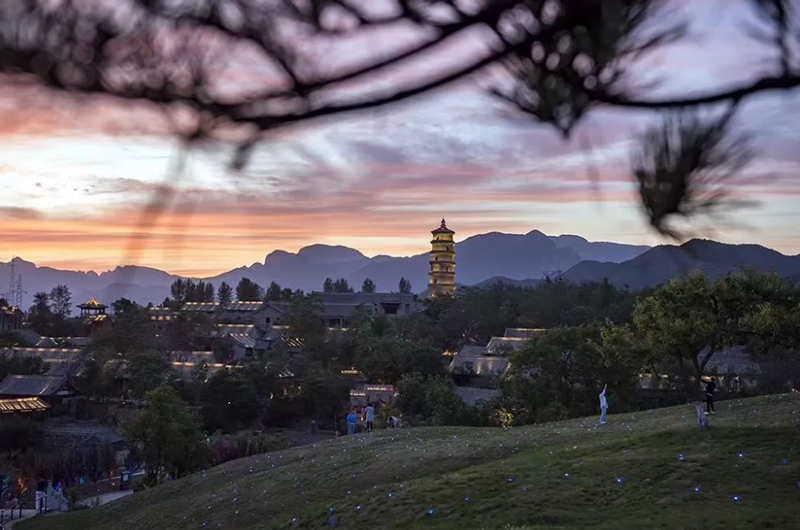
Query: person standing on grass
[[603, 405], [711, 388], [352, 420], [369, 414]]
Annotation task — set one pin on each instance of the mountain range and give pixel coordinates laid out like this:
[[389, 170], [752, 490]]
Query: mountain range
[[522, 259]]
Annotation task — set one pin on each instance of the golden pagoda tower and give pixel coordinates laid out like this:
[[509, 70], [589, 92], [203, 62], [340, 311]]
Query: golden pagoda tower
[[443, 262]]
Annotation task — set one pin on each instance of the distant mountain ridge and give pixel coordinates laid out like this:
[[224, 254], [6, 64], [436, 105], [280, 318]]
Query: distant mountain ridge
[[523, 259]]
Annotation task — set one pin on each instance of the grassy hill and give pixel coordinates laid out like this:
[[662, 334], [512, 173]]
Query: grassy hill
[[625, 474]]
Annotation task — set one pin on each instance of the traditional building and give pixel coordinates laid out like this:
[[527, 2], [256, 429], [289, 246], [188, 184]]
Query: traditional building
[[94, 315], [443, 262]]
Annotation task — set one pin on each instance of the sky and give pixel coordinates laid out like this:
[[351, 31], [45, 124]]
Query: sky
[[75, 181]]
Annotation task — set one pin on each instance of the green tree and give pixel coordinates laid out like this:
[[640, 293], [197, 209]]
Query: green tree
[[146, 371], [327, 286], [21, 365], [341, 285], [167, 431], [368, 286], [61, 301], [560, 373], [229, 402], [693, 318], [224, 294], [131, 332], [249, 291], [40, 317], [404, 286], [324, 393], [274, 292]]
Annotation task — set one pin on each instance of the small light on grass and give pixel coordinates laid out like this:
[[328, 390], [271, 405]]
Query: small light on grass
[[431, 511], [697, 489], [681, 458], [737, 498]]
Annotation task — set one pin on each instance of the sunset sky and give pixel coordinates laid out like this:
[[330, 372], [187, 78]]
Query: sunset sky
[[73, 188]]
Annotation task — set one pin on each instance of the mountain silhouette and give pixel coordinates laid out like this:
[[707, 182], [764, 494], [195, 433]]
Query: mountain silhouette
[[480, 260]]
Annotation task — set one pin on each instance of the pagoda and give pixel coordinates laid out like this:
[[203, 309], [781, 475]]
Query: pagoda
[[93, 314], [443, 262]]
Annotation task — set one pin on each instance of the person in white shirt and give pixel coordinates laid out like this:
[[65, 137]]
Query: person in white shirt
[[369, 414], [603, 405]]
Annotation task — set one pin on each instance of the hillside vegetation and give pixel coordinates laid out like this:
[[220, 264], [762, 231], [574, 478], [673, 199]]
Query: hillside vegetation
[[742, 474]]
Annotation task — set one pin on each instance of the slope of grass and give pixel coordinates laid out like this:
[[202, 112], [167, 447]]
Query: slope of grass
[[572, 474]]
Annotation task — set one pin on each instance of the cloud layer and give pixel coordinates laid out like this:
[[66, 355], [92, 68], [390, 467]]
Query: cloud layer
[[77, 181]]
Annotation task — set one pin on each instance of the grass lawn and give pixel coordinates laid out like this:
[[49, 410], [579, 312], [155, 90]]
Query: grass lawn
[[742, 474]]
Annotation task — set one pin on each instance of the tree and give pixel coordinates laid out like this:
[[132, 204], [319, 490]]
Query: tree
[[274, 292], [229, 402], [693, 318], [543, 78], [341, 285], [168, 433], [61, 301], [405, 286], [146, 371], [327, 286], [560, 373], [249, 291], [224, 294], [368, 286], [40, 317]]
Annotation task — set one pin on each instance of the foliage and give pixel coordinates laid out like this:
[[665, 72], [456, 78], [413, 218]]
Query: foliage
[[340, 285], [324, 393], [224, 294], [368, 286], [404, 286], [169, 435], [147, 371], [244, 444], [61, 301], [693, 318], [132, 330], [249, 291], [187, 290], [229, 402], [433, 398], [17, 364], [17, 436], [560, 373]]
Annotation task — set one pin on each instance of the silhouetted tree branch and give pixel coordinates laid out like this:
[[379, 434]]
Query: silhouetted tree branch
[[555, 60]]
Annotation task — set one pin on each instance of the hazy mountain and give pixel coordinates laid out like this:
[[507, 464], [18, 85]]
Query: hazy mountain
[[599, 250], [511, 256], [663, 263]]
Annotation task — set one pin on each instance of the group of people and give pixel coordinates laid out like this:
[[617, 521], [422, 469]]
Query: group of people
[[711, 389], [369, 419], [392, 422]]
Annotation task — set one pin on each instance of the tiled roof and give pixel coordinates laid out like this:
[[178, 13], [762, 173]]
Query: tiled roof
[[482, 365], [31, 385], [33, 404], [523, 333], [244, 340], [199, 307], [244, 306], [497, 344], [229, 329], [47, 354], [92, 303]]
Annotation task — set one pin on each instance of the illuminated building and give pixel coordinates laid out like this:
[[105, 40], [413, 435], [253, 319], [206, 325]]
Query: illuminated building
[[443, 262]]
